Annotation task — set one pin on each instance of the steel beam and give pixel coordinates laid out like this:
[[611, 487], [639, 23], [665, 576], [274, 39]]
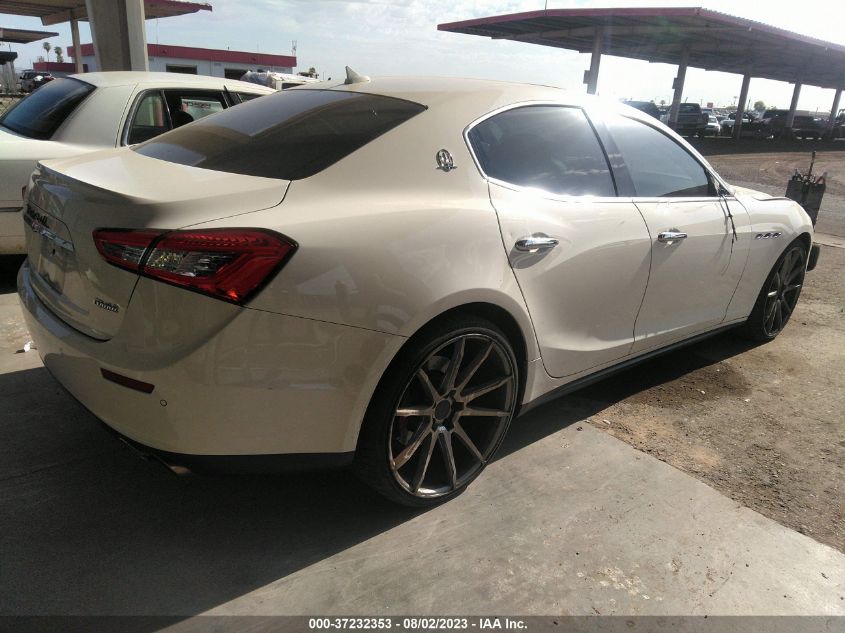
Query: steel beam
[[831, 122], [793, 105], [740, 107], [678, 86], [77, 47], [591, 77]]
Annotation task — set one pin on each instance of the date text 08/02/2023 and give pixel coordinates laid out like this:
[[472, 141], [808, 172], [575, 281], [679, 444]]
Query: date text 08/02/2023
[[416, 624]]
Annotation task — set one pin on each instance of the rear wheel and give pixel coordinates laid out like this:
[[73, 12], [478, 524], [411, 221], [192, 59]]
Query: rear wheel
[[779, 295], [440, 413]]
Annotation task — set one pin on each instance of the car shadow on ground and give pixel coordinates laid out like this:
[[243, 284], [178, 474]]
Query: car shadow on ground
[[88, 527], [9, 266], [589, 401]]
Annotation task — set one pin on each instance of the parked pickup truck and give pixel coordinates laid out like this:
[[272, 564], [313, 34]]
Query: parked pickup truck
[[692, 120]]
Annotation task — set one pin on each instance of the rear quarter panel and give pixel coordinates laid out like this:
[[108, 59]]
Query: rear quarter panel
[[387, 241]]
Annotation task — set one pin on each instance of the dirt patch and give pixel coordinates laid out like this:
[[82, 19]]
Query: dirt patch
[[763, 424], [768, 165]]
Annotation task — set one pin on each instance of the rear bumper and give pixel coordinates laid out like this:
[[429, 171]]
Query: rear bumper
[[255, 384]]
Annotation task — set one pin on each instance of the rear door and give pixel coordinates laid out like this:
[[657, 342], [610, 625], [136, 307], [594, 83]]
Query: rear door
[[579, 253], [696, 261]]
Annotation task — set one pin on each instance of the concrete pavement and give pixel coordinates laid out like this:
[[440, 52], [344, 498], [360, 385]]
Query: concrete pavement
[[567, 521]]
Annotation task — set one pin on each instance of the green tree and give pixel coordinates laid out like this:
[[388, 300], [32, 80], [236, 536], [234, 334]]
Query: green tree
[[759, 105], [59, 54], [46, 46]]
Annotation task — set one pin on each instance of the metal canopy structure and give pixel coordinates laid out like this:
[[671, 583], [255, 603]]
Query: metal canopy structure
[[23, 36], [685, 36], [117, 26], [16, 36], [714, 40], [57, 11]]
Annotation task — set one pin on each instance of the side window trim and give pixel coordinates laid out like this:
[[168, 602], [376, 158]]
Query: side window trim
[[622, 182], [133, 111], [516, 187]]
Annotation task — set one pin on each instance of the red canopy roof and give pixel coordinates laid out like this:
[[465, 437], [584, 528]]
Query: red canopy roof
[[258, 60]]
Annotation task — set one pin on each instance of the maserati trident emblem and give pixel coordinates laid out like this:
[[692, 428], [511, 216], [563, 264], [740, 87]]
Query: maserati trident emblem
[[105, 305], [445, 160]]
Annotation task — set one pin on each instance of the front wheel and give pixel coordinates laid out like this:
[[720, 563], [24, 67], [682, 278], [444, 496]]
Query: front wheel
[[439, 413], [778, 296]]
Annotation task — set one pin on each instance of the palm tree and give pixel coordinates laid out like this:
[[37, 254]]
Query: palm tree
[[59, 54], [47, 48]]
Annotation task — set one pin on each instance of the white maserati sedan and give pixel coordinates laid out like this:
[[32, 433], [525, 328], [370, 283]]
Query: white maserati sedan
[[87, 112], [385, 272]]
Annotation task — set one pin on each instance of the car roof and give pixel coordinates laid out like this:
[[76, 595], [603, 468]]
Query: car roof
[[435, 91], [125, 77], [451, 99]]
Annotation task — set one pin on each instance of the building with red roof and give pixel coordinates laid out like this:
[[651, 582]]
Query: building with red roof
[[201, 61]]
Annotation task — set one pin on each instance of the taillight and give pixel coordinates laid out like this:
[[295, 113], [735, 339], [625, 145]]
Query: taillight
[[229, 264], [124, 248]]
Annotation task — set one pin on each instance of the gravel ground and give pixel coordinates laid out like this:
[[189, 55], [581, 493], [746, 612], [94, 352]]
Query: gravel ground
[[764, 425], [768, 165]]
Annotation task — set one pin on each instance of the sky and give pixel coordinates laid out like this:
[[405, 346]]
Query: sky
[[390, 37]]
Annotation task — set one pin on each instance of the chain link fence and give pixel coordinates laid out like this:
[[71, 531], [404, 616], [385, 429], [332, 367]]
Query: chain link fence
[[7, 101]]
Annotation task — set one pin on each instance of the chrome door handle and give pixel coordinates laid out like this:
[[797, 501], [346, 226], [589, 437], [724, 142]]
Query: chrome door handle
[[671, 236], [534, 244]]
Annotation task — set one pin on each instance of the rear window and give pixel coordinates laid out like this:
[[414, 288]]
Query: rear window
[[689, 108], [288, 135], [40, 114]]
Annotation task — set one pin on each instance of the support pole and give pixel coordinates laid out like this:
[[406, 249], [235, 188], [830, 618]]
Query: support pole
[[740, 107], [117, 29], [10, 81], [793, 105], [591, 77], [678, 86], [77, 47], [831, 122]]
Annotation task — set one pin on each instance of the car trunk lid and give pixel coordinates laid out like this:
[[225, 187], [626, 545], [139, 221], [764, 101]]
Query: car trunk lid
[[72, 198]]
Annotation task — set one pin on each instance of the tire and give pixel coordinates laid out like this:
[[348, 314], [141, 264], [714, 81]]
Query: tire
[[406, 457], [777, 300]]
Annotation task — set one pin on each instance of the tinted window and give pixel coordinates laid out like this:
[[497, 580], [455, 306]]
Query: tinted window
[[658, 166], [552, 148], [290, 135], [150, 119], [40, 114]]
